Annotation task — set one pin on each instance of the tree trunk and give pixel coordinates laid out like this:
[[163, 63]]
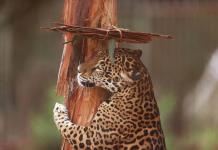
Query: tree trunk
[[82, 103]]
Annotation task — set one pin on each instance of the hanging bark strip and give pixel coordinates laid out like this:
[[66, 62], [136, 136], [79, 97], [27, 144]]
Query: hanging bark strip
[[82, 103], [118, 34]]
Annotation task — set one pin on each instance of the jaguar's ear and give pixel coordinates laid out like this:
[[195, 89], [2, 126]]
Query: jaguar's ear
[[138, 53], [135, 52], [130, 77]]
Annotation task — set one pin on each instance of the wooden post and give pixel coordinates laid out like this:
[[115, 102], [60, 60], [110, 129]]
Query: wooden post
[[82, 103]]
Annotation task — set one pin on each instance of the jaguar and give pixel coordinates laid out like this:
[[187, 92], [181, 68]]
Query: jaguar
[[129, 119]]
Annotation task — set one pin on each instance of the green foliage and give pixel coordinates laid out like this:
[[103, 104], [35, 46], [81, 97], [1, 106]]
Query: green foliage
[[205, 138], [43, 128], [197, 138], [166, 105]]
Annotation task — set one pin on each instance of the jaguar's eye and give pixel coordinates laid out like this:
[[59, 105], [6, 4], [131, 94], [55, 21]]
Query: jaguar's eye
[[96, 68]]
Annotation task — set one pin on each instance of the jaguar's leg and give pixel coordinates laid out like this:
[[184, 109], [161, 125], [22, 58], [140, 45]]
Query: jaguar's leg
[[96, 135], [71, 132]]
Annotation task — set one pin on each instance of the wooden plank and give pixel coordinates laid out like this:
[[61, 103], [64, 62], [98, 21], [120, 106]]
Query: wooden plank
[[118, 34]]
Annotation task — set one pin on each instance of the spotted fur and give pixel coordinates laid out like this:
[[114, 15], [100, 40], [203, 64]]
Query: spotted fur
[[129, 119]]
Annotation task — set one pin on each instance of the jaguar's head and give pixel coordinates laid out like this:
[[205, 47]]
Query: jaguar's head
[[124, 70]]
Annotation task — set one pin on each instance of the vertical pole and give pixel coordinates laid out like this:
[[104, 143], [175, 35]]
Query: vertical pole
[[82, 103]]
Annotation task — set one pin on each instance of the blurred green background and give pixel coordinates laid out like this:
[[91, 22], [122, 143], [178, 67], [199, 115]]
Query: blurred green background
[[184, 70]]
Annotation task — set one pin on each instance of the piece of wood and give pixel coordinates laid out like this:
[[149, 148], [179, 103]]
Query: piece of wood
[[118, 34], [82, 103]]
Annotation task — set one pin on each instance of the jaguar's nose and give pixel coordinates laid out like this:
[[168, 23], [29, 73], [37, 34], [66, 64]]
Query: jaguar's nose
[[80, 68]]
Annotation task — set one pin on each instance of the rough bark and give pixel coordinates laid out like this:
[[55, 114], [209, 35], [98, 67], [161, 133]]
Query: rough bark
[[82, 103]]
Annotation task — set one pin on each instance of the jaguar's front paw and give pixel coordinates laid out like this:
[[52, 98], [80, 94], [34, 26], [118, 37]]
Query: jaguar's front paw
[[60, 108], [60, 115]]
